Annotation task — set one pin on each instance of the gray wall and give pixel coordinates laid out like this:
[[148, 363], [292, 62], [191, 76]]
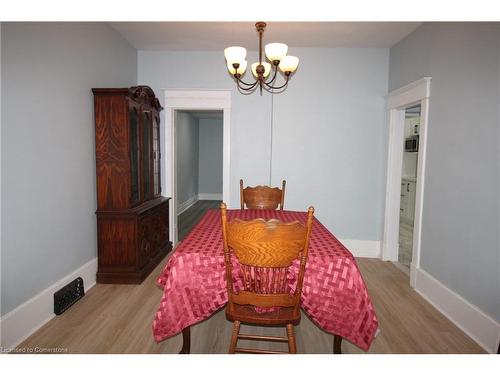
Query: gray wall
[[210, 158], [48, 156], [329, 130], [460, 229], [186, 153]]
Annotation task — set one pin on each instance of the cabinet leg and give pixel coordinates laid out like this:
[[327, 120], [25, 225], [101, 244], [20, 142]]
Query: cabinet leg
[[186, 341], [337, 344]]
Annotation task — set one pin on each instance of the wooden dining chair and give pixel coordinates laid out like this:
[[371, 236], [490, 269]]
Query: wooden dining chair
[[262, 197], [261, 295]]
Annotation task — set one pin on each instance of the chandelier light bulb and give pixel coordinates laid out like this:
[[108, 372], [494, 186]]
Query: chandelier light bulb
[[241, 69], [289, 64], [276, 51], [267, 69], [235, 54]]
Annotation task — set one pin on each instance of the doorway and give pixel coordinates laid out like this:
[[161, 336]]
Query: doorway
[[193, 100], [198, 165], [415, 95], [408, 186]]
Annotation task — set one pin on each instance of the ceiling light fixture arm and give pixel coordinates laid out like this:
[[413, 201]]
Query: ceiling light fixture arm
[[287, 75], [239, 82], [275, 64], [237, 76]]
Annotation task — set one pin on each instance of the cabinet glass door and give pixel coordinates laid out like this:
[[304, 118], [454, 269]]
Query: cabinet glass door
[[156, 157], [146, 153], [134, 155]]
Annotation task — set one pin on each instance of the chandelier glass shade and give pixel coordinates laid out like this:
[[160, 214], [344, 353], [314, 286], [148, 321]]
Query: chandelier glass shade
[[276, 53]]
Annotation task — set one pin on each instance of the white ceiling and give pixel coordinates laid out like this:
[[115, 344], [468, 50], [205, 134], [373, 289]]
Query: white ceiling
[[215, 36]]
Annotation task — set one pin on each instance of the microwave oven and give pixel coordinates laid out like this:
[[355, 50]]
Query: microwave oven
[[411, 144]]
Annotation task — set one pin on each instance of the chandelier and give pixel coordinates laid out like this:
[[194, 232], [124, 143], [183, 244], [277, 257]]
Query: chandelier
[[276, 53]]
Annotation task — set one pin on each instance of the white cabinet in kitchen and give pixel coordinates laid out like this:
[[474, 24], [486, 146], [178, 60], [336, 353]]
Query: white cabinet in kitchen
[[412, 126]]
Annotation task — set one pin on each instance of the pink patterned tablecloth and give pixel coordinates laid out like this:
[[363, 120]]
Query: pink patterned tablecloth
[[334, 294]]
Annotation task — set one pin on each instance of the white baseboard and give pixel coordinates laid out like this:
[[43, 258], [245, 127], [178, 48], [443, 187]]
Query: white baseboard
[[187, 204], [209, 197], [413, 275], [362, 248], [17, 325], [469, 318]]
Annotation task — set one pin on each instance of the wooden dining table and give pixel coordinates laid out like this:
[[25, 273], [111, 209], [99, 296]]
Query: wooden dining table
[[334, 294]]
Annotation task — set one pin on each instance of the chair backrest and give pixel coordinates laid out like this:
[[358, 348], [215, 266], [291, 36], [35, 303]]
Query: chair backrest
[[262, 197], [265, 251]]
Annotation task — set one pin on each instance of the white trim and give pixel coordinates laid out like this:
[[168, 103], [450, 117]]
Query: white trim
[[390, 242], [413, 274], [2, 129], [186, 204], [362, 248], [417, 92], [209, 197], [409, 94], [469, 318], [198, 99], [194, 99], [24, 320]]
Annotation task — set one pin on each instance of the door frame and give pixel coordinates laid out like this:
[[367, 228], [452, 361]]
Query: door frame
[[180, 99], [415, 93]]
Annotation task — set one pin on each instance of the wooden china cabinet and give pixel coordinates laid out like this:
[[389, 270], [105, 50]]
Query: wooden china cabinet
[[132, 216]]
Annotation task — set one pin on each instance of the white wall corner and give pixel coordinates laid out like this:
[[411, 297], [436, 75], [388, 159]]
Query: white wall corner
[[468, 317], [362, 248], [17, 325]]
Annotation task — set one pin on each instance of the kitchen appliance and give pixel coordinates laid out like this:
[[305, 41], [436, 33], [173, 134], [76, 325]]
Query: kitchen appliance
[[411, 144]]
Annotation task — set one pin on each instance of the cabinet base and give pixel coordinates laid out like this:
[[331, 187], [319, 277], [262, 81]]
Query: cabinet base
[[132, 277]]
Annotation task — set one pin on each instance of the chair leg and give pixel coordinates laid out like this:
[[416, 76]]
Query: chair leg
[[292, 346], [234, 337]]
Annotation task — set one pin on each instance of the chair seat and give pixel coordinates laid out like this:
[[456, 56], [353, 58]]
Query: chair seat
[[276, 317]]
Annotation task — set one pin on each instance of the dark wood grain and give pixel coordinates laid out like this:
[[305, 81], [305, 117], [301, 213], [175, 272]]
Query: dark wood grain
[[337, 344], [262, 197], [132, 217], [112, 160], [132, 242], [186, 341]]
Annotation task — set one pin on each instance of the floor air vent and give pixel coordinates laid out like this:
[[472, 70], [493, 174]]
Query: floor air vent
[[68, 295]]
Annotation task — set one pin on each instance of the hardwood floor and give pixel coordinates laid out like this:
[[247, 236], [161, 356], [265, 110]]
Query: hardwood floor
[[117, 319], [188, 219]]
